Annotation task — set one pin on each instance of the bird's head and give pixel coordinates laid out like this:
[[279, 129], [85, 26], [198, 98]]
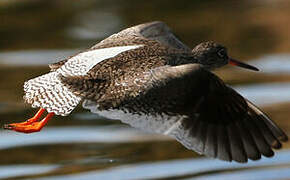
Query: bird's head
[[213, 55]]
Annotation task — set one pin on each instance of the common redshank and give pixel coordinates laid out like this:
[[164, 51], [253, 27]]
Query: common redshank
[[146, 77]]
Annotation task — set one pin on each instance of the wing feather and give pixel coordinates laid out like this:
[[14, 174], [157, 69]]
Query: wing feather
[[211, 141], [236, 144], [201, 112], [224, 149], [156, 31], [248, 142]]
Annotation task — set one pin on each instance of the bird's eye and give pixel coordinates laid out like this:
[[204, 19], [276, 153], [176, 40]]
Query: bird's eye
[[222, 53]]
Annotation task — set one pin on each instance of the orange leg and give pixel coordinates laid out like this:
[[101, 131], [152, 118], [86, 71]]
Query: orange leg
[[31, 125], [36, 117]]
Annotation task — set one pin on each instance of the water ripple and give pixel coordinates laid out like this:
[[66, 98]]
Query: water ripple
[[191, 168], [265, 94], [57, 135], [9, 171]]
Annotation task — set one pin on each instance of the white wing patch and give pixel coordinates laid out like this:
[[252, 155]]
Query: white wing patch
[[163, 124], [48, 92], [79, 65]]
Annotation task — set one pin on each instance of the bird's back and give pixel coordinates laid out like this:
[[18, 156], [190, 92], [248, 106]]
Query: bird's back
[[113, 79]]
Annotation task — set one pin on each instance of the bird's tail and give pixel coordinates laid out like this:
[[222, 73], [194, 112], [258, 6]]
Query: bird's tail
[[48, 92]]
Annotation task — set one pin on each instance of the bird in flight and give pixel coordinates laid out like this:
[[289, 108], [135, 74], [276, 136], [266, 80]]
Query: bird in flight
[[146, 77]]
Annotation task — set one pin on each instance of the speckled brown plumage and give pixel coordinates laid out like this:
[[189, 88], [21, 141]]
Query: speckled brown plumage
[[101, 81], [159, 84]]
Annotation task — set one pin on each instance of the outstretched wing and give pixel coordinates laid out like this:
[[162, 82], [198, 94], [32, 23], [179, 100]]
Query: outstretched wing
[[195, 107], [156, 30]]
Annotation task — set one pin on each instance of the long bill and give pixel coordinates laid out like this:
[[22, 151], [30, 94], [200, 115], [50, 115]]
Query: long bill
[[241, 64]]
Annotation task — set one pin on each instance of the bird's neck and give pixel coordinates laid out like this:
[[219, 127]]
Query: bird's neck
[[183, 58], [189, 58]]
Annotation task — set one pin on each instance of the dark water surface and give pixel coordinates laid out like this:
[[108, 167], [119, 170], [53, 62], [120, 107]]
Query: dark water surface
[[34, 33]]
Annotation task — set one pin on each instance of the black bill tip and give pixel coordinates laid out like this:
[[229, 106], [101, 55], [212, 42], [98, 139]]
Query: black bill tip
[[241, 64]]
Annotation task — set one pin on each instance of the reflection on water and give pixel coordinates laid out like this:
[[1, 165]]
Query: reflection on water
[[34, 57], [109, 134], [267, 93], [193, 168], [106, 24], [86, 146], [278, 64], [11, 171], [265, 174]]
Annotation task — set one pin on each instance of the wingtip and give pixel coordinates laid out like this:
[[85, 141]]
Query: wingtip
[[283, 138]]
